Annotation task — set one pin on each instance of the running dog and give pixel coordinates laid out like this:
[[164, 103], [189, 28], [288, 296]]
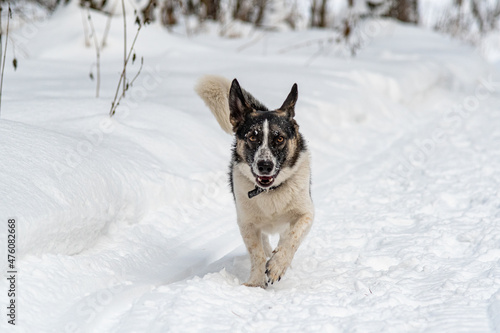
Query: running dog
[[270, 174]]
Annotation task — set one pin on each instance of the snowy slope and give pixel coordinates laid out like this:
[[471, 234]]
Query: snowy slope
[[127, 225]]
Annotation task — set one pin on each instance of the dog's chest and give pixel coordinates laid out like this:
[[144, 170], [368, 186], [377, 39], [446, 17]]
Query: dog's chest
[[270, 211], [272, 204]]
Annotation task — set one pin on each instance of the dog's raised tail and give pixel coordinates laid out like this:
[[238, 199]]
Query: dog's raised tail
[[214, 91]]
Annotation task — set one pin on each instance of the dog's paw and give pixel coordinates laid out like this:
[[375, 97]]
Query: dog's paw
[[277, 265]]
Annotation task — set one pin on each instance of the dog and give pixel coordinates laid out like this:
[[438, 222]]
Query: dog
[[270, 174]]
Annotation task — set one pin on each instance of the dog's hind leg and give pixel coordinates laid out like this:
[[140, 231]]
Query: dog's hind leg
[[287, 246], [268, 250], [252, 238]]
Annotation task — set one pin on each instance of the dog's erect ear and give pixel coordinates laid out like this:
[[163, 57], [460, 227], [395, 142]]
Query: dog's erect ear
[[238, 106], [289, 103]]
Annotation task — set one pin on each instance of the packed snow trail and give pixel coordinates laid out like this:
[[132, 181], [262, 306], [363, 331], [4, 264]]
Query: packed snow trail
[[138, 233]]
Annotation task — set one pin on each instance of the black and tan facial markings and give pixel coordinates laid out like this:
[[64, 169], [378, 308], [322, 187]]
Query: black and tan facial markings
[[268, 141]]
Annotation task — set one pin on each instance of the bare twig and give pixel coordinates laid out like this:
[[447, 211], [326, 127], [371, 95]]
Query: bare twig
[[116, 102], [124, 48], [4, 51], [136, 75], [85, 29], [97, 54], [108, 25], [106, 29], [128, 85]]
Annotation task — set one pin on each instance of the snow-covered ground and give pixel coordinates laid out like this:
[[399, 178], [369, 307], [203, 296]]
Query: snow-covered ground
[[127, 224]]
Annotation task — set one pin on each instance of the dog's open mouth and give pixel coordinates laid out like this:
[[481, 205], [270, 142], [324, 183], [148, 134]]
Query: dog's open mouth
[[265, 181]]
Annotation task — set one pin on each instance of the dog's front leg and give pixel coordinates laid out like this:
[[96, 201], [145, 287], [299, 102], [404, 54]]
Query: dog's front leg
[[253, 241], [268, 250], [287, 246]]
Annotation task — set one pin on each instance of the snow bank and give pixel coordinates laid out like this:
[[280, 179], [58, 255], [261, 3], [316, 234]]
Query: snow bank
[[66, 192]]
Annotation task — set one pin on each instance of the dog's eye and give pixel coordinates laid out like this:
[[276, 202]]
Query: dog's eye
[[280, 139], [252, 138]]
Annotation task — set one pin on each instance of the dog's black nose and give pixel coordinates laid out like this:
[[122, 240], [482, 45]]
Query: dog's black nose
[[265, 167]]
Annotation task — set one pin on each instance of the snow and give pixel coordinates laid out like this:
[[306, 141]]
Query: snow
[[127, 224]]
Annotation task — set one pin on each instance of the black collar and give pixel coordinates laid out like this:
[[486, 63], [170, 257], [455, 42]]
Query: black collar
[[258, 190]]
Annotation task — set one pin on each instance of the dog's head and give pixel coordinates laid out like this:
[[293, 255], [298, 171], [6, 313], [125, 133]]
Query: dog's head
[[267, 141]]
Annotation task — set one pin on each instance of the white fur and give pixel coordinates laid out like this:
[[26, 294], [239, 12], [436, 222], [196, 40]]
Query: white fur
[[214, 91], [287, 210]]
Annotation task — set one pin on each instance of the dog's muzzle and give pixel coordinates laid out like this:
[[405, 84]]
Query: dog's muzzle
[[264, 176]]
